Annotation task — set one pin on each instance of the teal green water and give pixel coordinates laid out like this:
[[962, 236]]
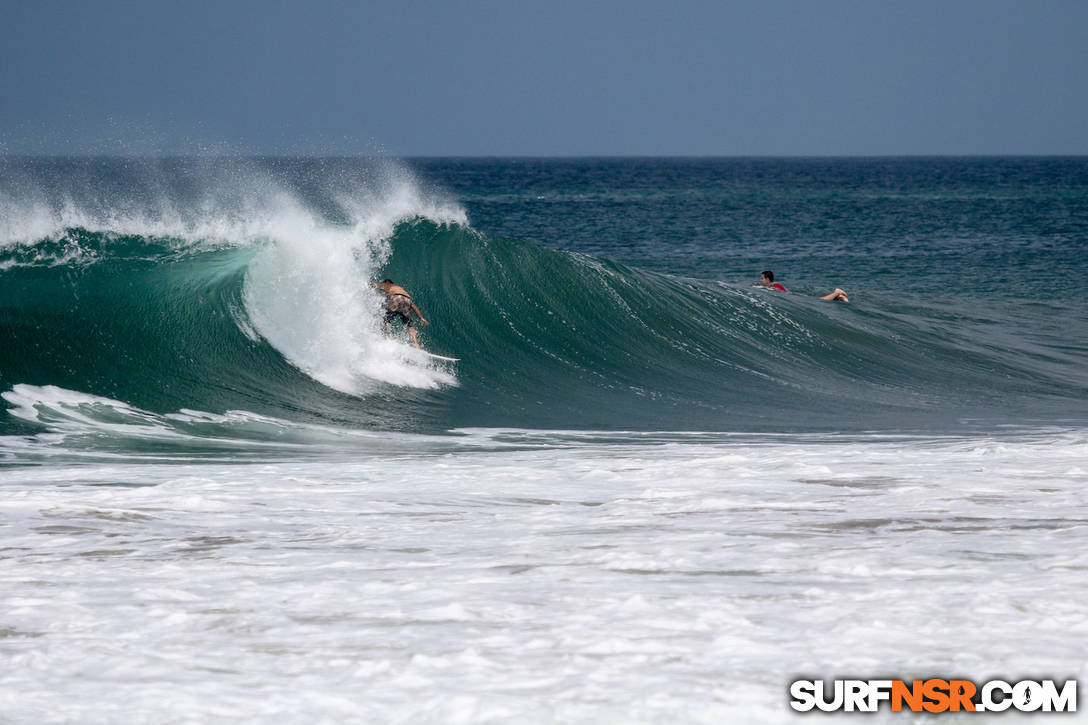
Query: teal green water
[[599, 294]]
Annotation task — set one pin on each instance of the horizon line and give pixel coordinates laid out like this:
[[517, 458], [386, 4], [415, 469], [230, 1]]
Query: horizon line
[[519, 157]]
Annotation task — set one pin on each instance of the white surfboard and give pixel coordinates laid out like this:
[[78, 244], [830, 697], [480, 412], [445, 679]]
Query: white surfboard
[[441, 357]]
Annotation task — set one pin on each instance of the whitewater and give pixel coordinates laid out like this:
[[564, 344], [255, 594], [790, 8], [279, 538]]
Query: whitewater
[[649, 492]]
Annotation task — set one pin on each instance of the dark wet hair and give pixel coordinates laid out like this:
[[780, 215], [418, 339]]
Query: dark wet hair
[[387, 281], [769, 275]]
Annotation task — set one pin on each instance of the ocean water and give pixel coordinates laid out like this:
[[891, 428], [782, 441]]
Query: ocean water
[[650, 491]]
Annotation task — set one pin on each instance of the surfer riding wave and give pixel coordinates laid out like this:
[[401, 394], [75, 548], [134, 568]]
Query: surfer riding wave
[[399, 304]]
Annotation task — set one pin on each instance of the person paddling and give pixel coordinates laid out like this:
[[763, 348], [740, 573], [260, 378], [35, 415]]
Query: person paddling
[[398, 303], [767, 280]]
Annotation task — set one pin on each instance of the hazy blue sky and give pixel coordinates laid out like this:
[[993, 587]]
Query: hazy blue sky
[[545, 78]]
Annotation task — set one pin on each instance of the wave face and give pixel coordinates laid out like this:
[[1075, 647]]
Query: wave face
[[171, 293]]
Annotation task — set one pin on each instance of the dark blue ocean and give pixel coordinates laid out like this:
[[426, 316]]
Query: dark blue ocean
[[649, 490]]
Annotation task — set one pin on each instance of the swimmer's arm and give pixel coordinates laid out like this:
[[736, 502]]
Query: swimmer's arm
[[837, 296]]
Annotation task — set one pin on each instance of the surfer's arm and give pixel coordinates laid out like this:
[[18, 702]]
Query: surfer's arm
[[419, 314]]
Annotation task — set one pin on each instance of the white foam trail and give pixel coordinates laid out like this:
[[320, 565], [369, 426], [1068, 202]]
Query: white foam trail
[[73, 419], [68, 411]]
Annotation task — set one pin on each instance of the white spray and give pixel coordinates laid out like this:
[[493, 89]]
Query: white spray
[[307, 290]]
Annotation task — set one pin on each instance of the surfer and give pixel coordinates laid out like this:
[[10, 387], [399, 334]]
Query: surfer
[[398, 303], [767, 280]]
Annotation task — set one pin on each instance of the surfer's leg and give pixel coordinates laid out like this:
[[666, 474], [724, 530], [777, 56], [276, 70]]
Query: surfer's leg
[[414, 336]]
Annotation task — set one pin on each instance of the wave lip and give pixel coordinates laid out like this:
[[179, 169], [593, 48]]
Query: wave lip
[[225, 201]]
